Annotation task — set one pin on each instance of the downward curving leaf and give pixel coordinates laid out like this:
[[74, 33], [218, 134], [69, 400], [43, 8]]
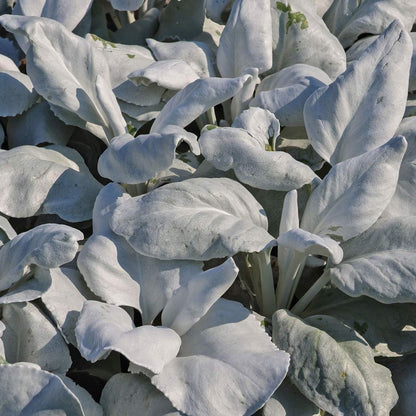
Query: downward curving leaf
[[134, 160], [380, 263], [70, 74], [195, 219], [231, 148], [102, 328], [48, 246], [333, 366], [354, 193], [363, 107], [195, 99], [53, 180], [227, 345], [244, 42]]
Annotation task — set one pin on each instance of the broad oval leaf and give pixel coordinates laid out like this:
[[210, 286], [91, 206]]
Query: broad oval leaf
[[245, 43], [118, 274], [284, 93], [48, 246], [333, 366], [70, 74], [195, 99], [380, 263], [363, 107], [53, 180], [102, 328], [232, 148], [125, 5], [354, 193], [30, 336], [26, 390], [196, 219], [229, 346], [128, 394]]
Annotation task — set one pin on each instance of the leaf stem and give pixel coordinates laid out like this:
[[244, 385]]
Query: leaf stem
[[311, 293]]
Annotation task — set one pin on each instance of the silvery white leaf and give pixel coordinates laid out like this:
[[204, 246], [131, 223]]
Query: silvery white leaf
[[102, 328], [348, 19], [195, 99], [325, 352], [134, 160], [16, 94], [37, 125], [7, 232], [122, 276], [125, 5], [284, 93], [363, 107], [69, 14], [240, 101], [210, 218], [48, 245], [2, 353], [300, 36], [380, 263], [231, 148], [391, 336], [190, 303], [287, 400], [30, 336], [128, 394], [70, 74], [32, 288], [259, 123], [121, 59], [7, 64], [64, 299], [172, 74], [26, 390], [181, 20], [229, 346], [245, 43], [403, 202], [198, 55], [308, 243], [403, 372], [354, 193], [53, 180], [140, 113]]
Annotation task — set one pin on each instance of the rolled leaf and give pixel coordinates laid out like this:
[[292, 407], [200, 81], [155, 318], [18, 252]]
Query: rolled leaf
[[209, 218], [362, 109], [325, 352]]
